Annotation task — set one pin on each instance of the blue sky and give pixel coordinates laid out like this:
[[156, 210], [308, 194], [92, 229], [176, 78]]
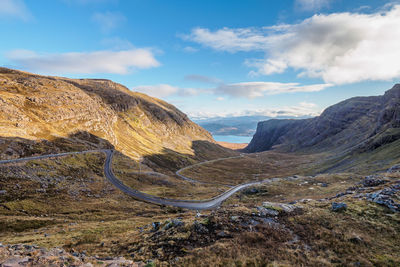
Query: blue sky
[[213, 58]]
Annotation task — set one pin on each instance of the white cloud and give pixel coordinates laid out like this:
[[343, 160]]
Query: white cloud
[[117, 62], [339, 48], [165, 90], [244, 90], [108, 20], [312, 4], [301, 110], [14, 8], [202, 79], [232, 40], [260, 89]]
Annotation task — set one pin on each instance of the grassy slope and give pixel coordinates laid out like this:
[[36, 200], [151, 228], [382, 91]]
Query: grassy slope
[[104, 221], [38, 107]]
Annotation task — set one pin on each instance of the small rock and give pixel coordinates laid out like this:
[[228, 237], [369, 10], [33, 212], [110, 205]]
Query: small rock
[[371, 181], [395, 168], [234, 218], [223, 234], [288, 208], [173, 223], [264, 212], [338, 207], [356, 239], [3, 192], [155, 225], [200, 228]]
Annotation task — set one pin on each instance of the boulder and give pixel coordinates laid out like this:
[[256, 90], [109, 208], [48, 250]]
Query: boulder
[[338, 207]]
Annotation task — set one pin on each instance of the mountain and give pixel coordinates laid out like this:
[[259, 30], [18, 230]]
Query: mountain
[[43, 114], [356, 125]]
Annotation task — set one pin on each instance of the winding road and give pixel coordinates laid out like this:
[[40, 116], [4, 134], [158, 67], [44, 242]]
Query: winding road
[[187, 204]]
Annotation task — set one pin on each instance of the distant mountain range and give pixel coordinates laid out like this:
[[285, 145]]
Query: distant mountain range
[[240, 126]]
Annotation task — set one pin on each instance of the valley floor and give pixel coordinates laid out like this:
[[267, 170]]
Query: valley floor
[[67, 203]]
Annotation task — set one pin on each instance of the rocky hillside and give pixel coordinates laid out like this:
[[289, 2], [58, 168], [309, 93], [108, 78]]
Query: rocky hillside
[[356, 125], [41, 114]]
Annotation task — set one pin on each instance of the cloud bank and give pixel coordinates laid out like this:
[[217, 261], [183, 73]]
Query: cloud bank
[[246, 89], [165, 90], [301, 110], [116, 62], [260, 89], [340, 48]]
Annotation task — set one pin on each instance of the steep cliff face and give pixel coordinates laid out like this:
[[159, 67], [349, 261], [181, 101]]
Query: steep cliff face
[[360, 123], [90, 113]]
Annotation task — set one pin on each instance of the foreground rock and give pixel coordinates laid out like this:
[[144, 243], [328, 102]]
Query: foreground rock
[[31, 255], [378, 189]]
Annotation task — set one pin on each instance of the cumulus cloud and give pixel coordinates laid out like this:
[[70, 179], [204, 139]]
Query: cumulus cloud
[[340, 48], [260, 89], [117, 62], [14, 8], [303, 109], [164, 90], [108, 21], [314, 5], [201, 79]]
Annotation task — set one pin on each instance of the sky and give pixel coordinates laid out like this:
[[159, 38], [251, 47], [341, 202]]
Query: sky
[[213, 58]]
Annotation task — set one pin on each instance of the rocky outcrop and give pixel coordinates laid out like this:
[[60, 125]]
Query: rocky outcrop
[[32, 255], [360, 123]]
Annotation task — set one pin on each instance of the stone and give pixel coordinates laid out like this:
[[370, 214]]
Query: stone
[[234, 218], [3, 192], [15, 261], [372, 181], [200, 228], [288, 208], [223, 234], [395, 168], [264, 212], [173, 223], [155, 225], [338, 207]]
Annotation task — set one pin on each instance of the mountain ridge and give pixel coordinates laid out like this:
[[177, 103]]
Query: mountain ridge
[[35, 107], [355, 125]]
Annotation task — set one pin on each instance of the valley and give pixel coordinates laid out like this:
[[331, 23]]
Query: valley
[[131, 176]]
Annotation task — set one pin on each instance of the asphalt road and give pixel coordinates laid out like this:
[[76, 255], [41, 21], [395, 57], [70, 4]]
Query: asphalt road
[[187, 204]]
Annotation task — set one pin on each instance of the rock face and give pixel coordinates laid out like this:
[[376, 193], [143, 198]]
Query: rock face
[[88, 113], [360, 123]]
